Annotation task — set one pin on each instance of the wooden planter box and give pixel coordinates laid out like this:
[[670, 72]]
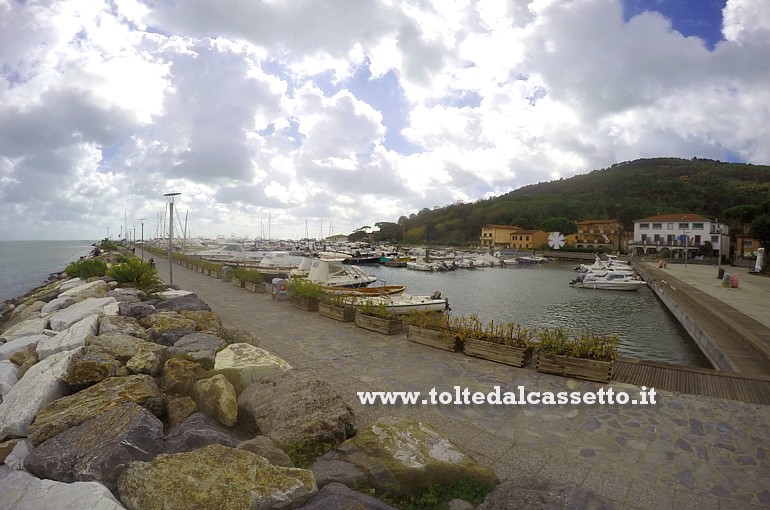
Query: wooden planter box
[[237, 282], [509, 355], [380, 325], [215, 274], [434, 338], [255, 287], [338, 313], [311, 305], [579, 368]]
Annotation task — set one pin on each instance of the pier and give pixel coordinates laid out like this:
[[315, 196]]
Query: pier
[[687, 451]]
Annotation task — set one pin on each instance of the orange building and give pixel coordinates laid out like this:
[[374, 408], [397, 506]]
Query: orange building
[[497, 236], [608, 234], [528, 239]]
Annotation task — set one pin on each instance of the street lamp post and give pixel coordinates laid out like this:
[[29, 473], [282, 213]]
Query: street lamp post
[[170, 198], [141, 220], [134, 238]]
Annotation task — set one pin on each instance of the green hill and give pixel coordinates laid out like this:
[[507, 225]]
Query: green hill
[[625, 191]]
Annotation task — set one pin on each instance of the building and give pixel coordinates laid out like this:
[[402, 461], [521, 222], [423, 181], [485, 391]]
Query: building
[[497, 236], [679, 233], [528, 239], [607, 234], [745, 245]]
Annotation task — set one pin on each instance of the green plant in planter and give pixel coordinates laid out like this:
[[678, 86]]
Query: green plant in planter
[[375, 310], [559, 342], [248, 275], [438, 321], [303, 288], [511, 333], [86, 268], [338, 301]]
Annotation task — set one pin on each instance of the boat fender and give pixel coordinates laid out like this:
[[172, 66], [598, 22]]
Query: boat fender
[[436, 295]]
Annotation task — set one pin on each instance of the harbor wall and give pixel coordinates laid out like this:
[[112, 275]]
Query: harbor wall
[[689, 320]]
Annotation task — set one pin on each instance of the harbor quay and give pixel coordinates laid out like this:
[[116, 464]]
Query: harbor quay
[[684, 451]]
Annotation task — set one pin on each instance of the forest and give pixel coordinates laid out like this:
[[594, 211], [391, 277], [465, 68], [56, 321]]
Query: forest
[[625, 191]]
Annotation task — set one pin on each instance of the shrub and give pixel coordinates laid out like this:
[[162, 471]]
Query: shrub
[[135, 272], [304, 288], [107, 245], [86, 268], [375, 310], [248, 275], [558, 342]]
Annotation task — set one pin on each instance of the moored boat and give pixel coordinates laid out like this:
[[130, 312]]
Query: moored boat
[[607, 281]]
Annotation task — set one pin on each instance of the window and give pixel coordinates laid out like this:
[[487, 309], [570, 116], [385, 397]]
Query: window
[[697, 226], [670, 226], [748, 243], [684, 226], [644, 226], [714, 239], [657, 226]]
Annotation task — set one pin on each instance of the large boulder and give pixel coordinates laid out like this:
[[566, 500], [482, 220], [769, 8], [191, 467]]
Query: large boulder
[[265, 447], [244, 364], [167, 327], [135, 310], [200, 347], [185, 302], [57, 304], [8, 377], [126, 294], [69, 339], [179, 408], [122, 347], [145, 362], [197, 431], [301, 413], [215, 397], [336, 496], [22, 491], [94, 289], [120, 324], [32, 326], [404, 456], [66, 317], [90, 368], [70, 411], [204, 320], [179, 376], [70, 284], [40, 385], [213, 477], [19, 344], [99, 449]]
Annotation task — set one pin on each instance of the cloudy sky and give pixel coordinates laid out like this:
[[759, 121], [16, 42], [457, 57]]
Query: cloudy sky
[[322, 116]]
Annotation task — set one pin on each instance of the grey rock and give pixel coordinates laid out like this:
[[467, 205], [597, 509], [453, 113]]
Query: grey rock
[[135, 310], [20, 343], [121, 324], [531, 493], [22, 491], [57, 304], [15, 459], [197, 431], [69, 339], [328, 471], [265, 447], [122, 347], [8, 377], [99, 449], [91, 368], [300, 413], [200, 347], [66, 317], [185, 302], [145, 362], [126, 294], [336, 496]]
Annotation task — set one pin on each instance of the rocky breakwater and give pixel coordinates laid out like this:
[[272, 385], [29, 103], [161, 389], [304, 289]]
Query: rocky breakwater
[[116, 399]]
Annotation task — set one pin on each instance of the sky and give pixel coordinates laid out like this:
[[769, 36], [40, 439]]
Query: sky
[[295, 118]]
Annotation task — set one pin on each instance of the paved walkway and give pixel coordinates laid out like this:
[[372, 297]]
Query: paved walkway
[[685, 452]]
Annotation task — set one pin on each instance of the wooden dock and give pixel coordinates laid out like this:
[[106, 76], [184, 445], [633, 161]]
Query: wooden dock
[[754, 389]]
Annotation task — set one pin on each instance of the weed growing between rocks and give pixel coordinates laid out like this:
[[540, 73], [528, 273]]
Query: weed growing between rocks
[[435, 497]]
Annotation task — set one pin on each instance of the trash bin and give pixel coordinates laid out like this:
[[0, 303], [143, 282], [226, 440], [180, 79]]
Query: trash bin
[[721, 273], [726, 281], [280, 289], [734, 281], [227, 272]]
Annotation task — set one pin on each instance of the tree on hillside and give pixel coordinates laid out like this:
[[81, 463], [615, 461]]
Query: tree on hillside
[[559, 224]]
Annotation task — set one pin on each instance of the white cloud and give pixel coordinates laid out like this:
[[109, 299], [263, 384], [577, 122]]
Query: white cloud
[[278, 112]]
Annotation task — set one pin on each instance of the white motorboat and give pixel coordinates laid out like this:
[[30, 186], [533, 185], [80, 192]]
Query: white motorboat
[[231, 253], [333, 273], [406, 303], [607, 280]]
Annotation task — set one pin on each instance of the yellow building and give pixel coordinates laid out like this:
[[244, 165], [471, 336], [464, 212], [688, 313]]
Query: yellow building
[[600, 233], [528, 239], [497, 236]]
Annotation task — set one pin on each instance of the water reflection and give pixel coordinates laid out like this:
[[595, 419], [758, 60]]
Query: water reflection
[[540, 296]]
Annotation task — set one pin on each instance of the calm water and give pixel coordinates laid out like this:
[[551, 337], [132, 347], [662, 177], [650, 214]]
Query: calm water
[[541, 296], [25, 265]]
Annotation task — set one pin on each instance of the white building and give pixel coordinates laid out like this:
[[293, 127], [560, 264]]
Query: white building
[[677, 233]]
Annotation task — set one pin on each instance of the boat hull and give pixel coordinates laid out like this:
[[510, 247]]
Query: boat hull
[[623, 286]]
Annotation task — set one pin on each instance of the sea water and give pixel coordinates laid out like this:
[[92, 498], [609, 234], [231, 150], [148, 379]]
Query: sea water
[[25, 265]]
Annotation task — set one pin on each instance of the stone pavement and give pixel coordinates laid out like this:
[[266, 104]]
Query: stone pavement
[[684, 452]]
